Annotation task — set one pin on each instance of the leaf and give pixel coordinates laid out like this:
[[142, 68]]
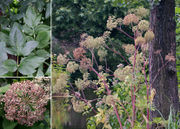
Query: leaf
[[3, 89], [40, 72], [9, 124], [41, 27], [29, 47], [3, 70], [47, 15], [3, 54], [10, 65], [17, 38], [31, 18], [48, 72], [29, 64], [43, 53], [43, 38], [4, 37], [28, 30]]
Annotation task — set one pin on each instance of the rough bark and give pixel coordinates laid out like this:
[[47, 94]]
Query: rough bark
[[163, 76]]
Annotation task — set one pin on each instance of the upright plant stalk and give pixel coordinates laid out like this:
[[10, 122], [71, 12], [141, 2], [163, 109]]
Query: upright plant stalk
[[109, 93], [17, 64], [134, 89], [147, 87]]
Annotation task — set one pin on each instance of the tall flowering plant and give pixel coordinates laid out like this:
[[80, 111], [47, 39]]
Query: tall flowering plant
[[121, 95]]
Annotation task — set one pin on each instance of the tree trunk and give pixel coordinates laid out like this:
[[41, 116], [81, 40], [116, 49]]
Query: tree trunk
[[163, 76]]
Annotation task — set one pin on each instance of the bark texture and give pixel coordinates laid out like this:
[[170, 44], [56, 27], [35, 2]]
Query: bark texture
[[163, 76]]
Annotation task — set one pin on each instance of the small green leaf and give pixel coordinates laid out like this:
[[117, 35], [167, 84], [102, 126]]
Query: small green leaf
[[4, 37], [43, 53], [43, 38], [47, 15], [28, 30], [17, 38], [3, 89], [48, 72], [29, 64], [31, 18], [10, 65], [40, 72], [9, 124], [3, 54], [41, 27], [29, 47], [3, 71]]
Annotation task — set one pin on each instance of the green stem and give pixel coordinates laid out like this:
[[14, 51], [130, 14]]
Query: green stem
[[17, 64]]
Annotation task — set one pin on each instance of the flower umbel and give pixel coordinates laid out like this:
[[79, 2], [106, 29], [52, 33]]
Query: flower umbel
[[25, 102]]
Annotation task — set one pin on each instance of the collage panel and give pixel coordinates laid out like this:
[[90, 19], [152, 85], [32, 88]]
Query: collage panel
[[115, 64], [25, 103], [24, 38]]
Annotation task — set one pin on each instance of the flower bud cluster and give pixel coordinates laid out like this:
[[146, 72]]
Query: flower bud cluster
[[90, 42], [130, 18], [129, 49], [72, 66], [102, 53], [149, 36], [78, 53], [78, 105], [143, 25], [25, 102], [111, 23], [85, 63], [122, 73], [61, 82], [140, 12], [62, 59], [82, 84]]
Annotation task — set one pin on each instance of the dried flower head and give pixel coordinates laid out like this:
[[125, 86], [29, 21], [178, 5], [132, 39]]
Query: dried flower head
[[91, 42], [106, 34], [78, 105], [25, 102], [141, 12], [102, 53], [111, 22], [130, 18], [140, 40], [129, 48], [72, 67], [143, 25], [85, 63], [62, 59], [61, 82], [122, 73], [79, 53], [149, 36]]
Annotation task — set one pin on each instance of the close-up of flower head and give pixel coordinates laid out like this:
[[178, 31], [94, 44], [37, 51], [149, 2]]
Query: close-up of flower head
[[25, 102]]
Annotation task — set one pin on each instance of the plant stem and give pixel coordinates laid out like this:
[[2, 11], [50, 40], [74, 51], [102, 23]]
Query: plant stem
[[147, 87], [109, 93], [17, 64]]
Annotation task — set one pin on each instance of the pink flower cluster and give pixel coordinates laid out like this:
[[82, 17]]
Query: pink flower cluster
[[25, 102]]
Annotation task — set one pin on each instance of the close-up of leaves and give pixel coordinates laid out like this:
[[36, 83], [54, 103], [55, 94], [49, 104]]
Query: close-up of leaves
[[25, 39]]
